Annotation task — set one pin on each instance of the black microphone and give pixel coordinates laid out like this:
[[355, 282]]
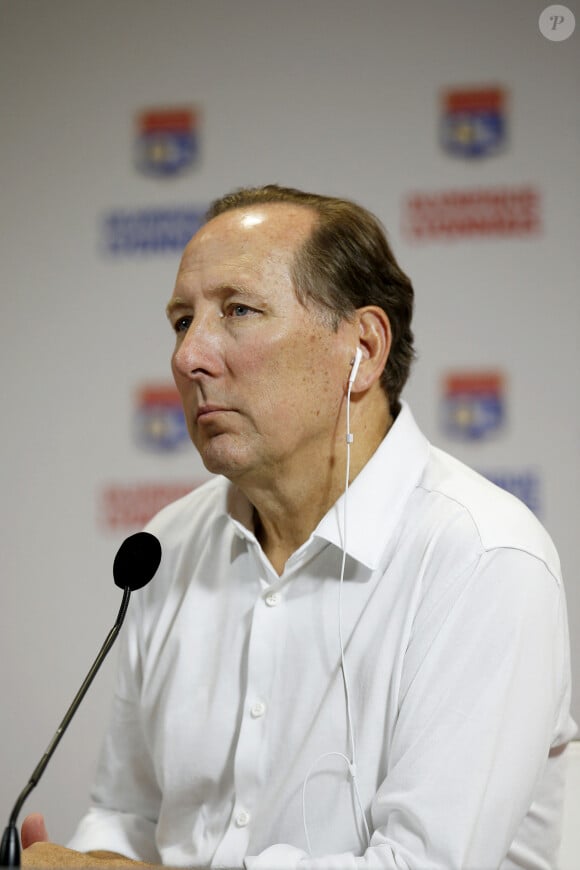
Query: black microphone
[[135, 564]]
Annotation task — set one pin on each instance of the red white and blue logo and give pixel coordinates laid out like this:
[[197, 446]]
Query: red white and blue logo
[[473, 405], [159, 421], [473, 122], [167, 141]]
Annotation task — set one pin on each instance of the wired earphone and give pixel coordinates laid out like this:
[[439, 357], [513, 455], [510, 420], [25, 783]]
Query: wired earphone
[[350, 762]]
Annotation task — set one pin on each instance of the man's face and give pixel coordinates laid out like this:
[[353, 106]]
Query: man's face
[[261, 376]]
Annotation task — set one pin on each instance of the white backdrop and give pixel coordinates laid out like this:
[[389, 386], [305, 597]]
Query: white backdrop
[[338, 96]]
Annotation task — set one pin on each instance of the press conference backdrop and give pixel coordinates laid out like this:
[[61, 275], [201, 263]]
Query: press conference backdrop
[[457, 122]]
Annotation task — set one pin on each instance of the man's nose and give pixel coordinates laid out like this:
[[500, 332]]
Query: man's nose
[[199, 349]]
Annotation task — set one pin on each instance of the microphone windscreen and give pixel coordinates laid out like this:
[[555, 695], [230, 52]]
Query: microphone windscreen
[[136, 561]]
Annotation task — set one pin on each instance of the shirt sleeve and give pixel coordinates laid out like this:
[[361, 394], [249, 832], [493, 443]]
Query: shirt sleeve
[[126, 796], [484, 694]]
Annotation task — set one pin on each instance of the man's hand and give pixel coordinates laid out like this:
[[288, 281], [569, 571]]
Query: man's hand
[[33, 830], [39, 852]]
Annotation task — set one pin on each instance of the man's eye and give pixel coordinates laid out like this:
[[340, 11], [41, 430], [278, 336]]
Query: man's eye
[[182, 324], [239, 310]]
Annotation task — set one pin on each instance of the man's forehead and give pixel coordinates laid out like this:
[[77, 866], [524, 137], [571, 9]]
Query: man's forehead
[[245, 245], [283, 224]]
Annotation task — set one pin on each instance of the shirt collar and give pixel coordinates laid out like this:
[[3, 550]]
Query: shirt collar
[[378, 494], [240, 511], [376, 497]]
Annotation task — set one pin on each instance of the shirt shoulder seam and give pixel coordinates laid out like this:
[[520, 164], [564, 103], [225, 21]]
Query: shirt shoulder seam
[[485, 548]]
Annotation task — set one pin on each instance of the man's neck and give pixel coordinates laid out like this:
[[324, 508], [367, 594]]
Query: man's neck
[[288, 507]]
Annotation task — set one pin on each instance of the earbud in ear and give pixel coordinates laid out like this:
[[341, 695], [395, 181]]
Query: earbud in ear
[[355, 364]]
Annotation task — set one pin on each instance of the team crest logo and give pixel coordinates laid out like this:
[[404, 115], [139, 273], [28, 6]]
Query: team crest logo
[[473, 122], [159, 421], [473, 405], [167, 141]]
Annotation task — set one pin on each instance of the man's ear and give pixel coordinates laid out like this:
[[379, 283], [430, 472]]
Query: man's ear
[[375, 340]]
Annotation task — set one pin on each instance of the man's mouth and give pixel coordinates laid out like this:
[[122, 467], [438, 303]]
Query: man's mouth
[[207, 412]]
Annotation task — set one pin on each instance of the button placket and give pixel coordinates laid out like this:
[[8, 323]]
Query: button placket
[[250, 764], [242, 819], [257, 709]]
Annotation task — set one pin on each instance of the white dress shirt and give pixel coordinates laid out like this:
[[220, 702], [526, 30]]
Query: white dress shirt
[[229, 687]]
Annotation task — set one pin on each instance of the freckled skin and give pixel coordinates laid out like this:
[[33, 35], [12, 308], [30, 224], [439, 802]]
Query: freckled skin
[[269, 372], [271, 365]]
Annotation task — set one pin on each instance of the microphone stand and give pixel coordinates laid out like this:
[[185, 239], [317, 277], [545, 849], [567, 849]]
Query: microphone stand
[[10, 847]]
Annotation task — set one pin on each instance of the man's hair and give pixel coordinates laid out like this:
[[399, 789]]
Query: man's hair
[[345, 264]]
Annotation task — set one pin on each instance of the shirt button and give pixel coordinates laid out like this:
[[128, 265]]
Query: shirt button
[[242, 819], [272, 599], [258, 709]]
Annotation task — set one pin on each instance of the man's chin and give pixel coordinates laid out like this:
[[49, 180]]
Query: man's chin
[[222, 458]]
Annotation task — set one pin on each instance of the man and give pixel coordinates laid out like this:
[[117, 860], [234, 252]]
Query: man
[[323, 676]]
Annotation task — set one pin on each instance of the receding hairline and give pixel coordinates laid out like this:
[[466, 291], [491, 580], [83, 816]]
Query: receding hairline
[[252, 207], [344, 263], [305, 234], [302, 284]]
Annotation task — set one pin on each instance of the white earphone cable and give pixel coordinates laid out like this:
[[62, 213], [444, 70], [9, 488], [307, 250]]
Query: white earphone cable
[[352, 761]]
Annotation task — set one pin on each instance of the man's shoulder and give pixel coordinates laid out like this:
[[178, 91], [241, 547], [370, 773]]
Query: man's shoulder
[[495, 516], [203, 505], [184, 528]]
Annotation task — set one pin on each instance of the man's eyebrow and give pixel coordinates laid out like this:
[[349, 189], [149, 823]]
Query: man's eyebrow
[[175, 303]]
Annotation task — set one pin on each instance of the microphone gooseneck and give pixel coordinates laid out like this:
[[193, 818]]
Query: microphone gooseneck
[[135, 565]]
